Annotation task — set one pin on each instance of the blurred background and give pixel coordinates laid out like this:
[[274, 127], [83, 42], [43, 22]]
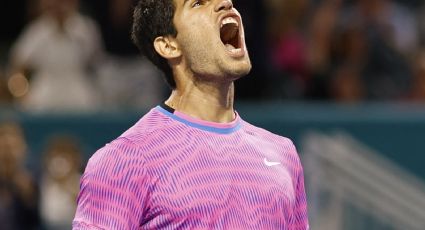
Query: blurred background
[[345, 79]]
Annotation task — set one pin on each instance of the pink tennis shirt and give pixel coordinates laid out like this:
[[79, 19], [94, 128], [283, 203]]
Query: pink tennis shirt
[[172, 171]]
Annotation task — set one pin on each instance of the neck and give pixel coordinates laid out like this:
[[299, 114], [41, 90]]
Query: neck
[[206, 101]]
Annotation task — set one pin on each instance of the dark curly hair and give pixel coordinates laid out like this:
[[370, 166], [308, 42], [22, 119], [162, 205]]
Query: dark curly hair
[[151, 19]]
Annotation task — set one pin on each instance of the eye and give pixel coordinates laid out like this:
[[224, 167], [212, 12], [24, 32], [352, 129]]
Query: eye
[[196, 3]]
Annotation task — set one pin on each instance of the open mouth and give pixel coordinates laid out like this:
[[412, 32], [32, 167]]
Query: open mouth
[[229, 34]]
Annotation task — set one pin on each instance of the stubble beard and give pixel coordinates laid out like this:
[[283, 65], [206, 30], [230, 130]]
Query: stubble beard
[[215, 65]]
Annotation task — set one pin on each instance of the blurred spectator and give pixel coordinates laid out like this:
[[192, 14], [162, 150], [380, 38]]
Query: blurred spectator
[[320, 43], [347, 86], [60, 182], [395, 21], [418, 86], [420, 19], [288, 46], [384, 37], [18, 192], [299, 49], [53, 55], [126, 79]]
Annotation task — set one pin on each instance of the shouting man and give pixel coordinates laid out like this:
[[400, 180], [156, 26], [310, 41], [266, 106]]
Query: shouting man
[[193, 162]]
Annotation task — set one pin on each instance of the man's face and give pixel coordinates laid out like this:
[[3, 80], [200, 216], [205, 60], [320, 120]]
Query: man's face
[[211, 37]]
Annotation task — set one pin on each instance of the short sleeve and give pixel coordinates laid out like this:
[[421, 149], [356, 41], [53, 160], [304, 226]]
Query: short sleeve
[[114, 189], [300, 220], [300, 209]]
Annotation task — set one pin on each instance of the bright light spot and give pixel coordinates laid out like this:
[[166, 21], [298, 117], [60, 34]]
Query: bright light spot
[[18, 85]]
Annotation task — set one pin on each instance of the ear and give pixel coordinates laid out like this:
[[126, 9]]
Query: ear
[[167, 47]]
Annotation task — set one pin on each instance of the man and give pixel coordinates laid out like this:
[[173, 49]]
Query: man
[[193, 163], [58, 48]]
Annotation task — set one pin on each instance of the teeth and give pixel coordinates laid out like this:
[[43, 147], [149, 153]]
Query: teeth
[[236, 50], [229, 20]]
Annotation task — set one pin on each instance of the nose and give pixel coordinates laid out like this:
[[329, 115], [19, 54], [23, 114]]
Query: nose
[[224, 5]]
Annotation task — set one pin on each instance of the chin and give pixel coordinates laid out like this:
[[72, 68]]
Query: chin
[[241, 69], [242, 72]]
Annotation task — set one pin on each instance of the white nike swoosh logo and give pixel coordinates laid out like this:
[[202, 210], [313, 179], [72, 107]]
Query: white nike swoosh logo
[[270, 163]]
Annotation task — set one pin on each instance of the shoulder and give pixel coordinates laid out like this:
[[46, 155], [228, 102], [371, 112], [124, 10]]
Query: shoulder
[[114, 188], [134, 144], [283, 145], [118, 167], [83, 27], [152, 127], [39, 23], [112, 160], [267, 135], [82, 20], [118, 148], [35, 30]]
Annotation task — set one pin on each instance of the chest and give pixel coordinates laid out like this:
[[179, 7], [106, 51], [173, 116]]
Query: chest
[[236, 184]]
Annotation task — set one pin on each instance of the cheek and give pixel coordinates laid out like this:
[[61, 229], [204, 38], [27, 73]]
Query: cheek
[[199, 27], [198, 45]]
